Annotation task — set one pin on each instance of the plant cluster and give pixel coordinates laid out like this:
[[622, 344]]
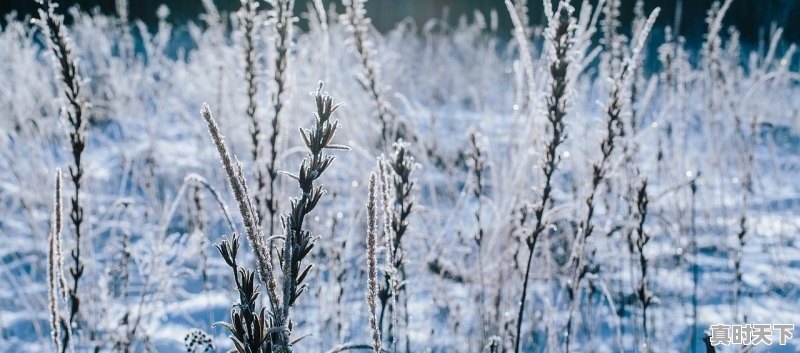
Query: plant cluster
[[560, 190]]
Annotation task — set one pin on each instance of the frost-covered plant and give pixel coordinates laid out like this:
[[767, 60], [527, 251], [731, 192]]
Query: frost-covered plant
[[749, 142], [358, 24], [478, 164], [519, 12], [398, 202], [712, 47], [60, 330], [372, 265], [197, 341], [198, 228], [249, 215], [282, 20], [637, 84], [586, 227], [58, 42], [560, 37], [250, 28], [612, 40], [614, 127], [250, 326], [387, 292], [695, 256], [212, 16], [298, 240], [643, 293]]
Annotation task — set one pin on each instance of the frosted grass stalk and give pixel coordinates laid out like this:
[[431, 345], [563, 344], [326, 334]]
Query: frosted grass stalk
[[372, 265], [560, 36], [283, 24], [60, 46]]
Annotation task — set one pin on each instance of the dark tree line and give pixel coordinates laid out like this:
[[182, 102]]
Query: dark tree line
[[751, 17]]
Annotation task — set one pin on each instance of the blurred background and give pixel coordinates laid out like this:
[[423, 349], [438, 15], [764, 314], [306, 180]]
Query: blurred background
[[752, 17]]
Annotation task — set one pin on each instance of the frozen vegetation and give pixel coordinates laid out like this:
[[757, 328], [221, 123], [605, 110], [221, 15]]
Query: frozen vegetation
[[578, 187]]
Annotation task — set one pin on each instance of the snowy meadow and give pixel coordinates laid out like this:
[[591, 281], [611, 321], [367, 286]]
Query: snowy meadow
[[586, 185]]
